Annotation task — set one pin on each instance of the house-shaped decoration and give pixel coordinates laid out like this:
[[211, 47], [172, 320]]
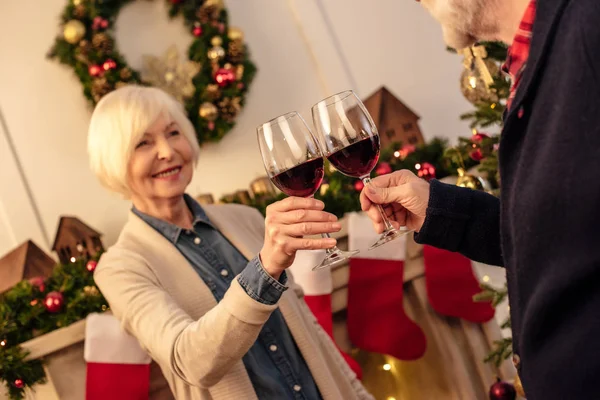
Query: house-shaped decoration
[[75, 239], [395, 121], [25, 262]]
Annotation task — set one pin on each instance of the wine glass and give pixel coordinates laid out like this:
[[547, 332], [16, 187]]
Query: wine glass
[[294, 163], [350, 141]]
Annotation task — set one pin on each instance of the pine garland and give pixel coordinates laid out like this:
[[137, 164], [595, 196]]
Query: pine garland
[[23, 316]]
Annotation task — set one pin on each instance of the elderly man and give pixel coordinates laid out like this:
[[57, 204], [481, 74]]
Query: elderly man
[[544, 229]]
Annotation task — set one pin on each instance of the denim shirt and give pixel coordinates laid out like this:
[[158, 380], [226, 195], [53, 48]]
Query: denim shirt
[[274, 363]]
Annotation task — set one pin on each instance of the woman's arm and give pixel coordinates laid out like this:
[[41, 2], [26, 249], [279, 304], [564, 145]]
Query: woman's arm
[[200, 352]]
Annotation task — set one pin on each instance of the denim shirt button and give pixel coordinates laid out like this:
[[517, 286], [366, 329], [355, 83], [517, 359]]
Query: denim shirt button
[[197, 240], [273, 348], [297, 388], [224, 272]]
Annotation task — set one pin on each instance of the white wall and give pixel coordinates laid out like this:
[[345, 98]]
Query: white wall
[[293, 42]]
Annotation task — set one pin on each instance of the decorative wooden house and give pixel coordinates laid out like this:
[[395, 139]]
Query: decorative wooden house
[[24, 262], [395, 121], [76, 239]]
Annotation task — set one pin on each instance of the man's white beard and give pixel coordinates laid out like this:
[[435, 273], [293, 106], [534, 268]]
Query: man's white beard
[[461, 20]]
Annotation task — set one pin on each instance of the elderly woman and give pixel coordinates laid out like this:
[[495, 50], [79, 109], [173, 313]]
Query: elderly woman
[[205, 289]]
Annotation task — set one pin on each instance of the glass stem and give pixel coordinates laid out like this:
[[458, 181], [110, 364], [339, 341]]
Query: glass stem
[[326, 236], [388, 225]]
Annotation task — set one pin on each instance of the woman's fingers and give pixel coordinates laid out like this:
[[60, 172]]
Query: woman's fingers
[[310, 228]]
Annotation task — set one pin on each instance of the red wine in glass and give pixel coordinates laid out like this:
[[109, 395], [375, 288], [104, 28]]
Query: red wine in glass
[[350, 141], [294, 162], [358, 159], [303, 180]]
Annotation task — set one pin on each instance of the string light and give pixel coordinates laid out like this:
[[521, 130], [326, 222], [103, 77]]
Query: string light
[[3, 343], [474, 131], [397, 154], [391, 398], [417, 166], [486, 278], [493, 105], [387, 367], [73, 259]]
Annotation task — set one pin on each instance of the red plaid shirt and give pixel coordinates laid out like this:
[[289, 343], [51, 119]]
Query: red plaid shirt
[[518, 53]]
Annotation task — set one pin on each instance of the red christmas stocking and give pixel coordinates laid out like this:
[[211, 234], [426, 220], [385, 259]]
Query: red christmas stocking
[[317, 286], [451, 285], [377, 321], [117, 367]]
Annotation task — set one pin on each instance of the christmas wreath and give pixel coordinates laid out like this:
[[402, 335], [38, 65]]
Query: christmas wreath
[[212, 83]]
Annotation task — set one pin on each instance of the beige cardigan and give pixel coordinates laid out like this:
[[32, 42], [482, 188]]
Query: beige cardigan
[[199, 343]]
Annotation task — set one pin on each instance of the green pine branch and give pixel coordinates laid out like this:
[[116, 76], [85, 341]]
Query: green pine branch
[[502, 351]]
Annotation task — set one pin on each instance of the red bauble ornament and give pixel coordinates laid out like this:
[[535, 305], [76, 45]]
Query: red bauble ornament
[[240, 85], [39, 283], [502, 391], [211, 125], [221, 27], [425, 171], [109, 64], [224, 77], [54, 302], [91, 265], [478, 137], [383, 168], [476, 155], [358, 186], [95, 70], [197, 31], [19, 383], [99, 23]]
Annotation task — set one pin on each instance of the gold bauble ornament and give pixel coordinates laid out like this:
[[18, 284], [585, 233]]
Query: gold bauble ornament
[[472, 182], [77, 2], [91, 291], [208, 111], [235, 33], [73, 31], [216, 53], [474, 87], [216, 41]]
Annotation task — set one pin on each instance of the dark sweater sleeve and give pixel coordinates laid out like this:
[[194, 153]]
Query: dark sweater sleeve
[[463, 220]]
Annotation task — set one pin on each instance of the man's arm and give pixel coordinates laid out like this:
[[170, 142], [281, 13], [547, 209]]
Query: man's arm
[[463, 220]]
